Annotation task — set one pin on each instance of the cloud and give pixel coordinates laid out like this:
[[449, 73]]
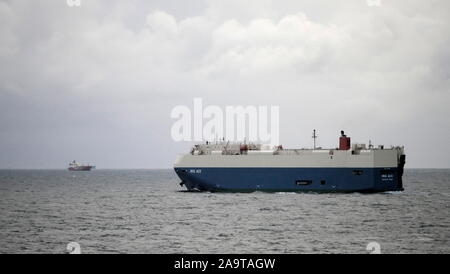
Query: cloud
[[124, 65], [268, 46], [163, 24]]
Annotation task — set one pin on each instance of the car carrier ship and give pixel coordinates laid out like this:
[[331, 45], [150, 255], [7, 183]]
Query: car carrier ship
[[242, 167]]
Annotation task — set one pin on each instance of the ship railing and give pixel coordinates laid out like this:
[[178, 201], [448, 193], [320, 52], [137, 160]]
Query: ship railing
[[303, 151]]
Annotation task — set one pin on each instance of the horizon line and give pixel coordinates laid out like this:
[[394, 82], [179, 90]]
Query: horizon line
[[155, 168]]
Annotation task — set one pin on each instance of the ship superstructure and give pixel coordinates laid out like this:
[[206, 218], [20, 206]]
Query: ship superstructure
[[242, 167]]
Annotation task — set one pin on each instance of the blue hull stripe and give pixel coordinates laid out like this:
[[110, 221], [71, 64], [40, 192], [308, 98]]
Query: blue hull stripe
[[291, 179]]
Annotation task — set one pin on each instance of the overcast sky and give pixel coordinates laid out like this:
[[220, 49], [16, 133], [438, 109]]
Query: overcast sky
[[97, 83]]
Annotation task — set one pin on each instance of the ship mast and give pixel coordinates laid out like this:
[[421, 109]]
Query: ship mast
[[314, 136]]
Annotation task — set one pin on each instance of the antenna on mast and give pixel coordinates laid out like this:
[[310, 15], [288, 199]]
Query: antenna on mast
[[314, 136]]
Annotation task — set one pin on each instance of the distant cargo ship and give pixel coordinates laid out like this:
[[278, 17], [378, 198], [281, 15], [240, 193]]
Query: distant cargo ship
[[74, 166], [250, 167]]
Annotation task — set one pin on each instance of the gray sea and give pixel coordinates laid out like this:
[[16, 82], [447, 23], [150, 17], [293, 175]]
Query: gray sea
[[146, 211]]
